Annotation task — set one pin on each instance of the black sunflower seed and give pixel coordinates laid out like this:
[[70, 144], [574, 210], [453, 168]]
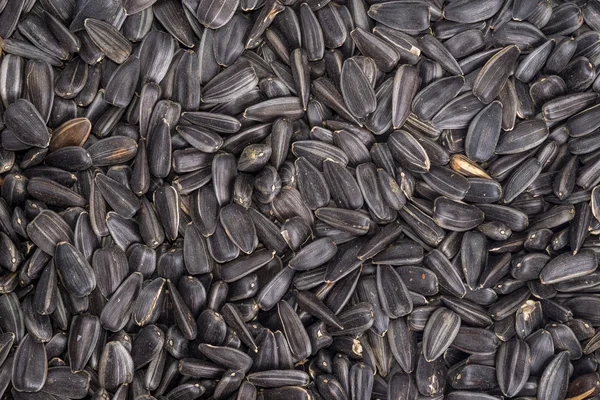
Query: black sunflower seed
[[26, 123], [30, 365], [118, 356], [494, 73], [512, 366], [108, 39], [406, 83]]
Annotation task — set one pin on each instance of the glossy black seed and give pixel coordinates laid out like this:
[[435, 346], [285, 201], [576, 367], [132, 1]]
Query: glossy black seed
[[30, 365]]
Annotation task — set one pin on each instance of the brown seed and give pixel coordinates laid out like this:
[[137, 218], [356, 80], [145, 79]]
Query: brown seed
[[467, 167]]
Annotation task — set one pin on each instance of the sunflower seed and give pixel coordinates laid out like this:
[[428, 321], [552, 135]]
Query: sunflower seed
[[512, 366], [379, 50], [84, 334], [111, 378], [434, 49], [484, 132], [26, 123], [30, 365], [554, 380], [458, 113]]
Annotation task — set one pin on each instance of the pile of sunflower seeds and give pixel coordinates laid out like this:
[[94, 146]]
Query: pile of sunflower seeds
[[299, 199]]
